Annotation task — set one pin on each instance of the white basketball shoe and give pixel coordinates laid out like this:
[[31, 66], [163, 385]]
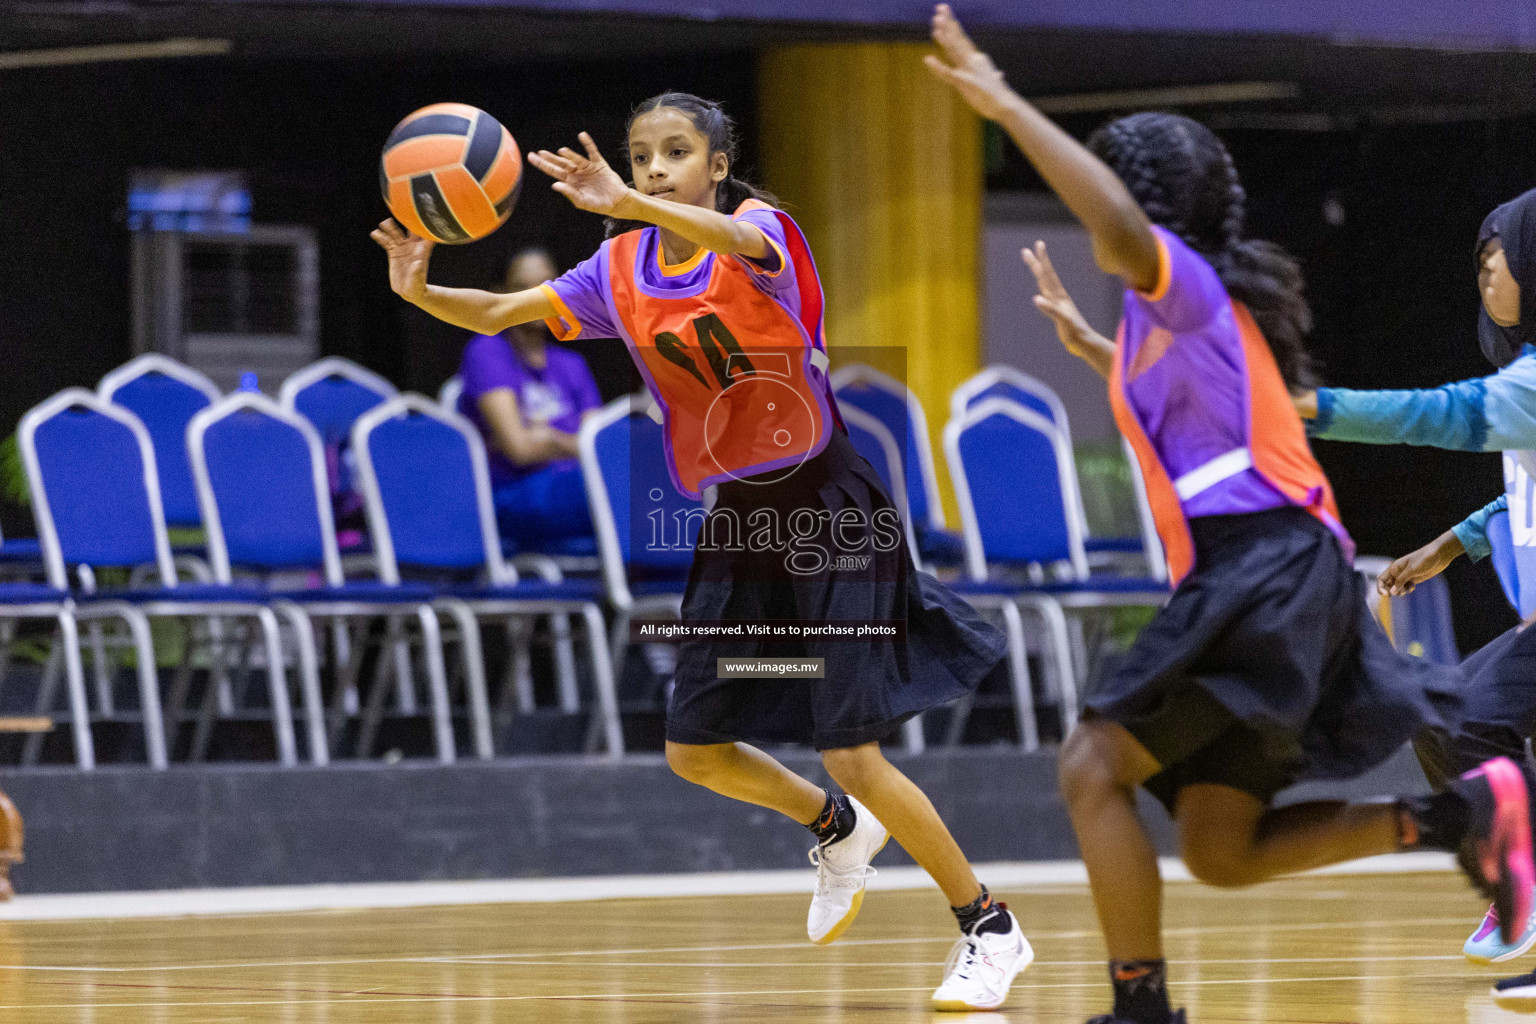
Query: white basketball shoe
[[841, 870], [981, 967]]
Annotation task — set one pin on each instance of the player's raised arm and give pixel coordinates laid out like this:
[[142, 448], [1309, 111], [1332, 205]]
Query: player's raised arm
[[591, 184], [471, 308], [1123, 243]]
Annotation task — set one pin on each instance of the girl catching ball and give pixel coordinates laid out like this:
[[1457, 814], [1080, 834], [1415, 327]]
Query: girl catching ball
[[715, 293]]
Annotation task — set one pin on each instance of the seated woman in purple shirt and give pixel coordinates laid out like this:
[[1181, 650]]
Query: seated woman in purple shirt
[[527, 397]]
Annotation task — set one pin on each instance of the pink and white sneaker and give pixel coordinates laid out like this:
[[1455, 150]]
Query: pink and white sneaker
[[1496, 853]]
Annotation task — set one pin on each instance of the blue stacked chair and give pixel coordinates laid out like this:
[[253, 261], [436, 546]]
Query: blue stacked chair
[[1001, 381], [427, 483], [873, 440], [893, 404], [645, 528], [262, 482], [164, 395], [1016, 487], [96, 495], [332, 393]]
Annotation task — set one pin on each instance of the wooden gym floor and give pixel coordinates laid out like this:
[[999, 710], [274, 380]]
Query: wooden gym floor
[[1375, 949]]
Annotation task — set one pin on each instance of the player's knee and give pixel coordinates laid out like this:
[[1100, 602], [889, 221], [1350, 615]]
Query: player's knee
[[1086, 766], [852, 768], [1222, 864], [698, 763]]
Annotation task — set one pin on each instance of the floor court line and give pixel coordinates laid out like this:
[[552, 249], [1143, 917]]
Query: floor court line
[[938, 940], [708, 994], [1037, 965], [1000, 875]]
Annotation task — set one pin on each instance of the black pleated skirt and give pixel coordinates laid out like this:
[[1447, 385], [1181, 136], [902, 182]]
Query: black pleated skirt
[[870, 687], [1266, 667]]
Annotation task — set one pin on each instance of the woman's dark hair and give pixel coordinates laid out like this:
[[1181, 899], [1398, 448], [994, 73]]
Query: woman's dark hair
[[1184, 180], [719, 130]]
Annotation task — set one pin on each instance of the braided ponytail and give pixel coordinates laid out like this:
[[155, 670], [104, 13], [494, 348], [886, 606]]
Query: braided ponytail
[[1184, 180], [717, 127]]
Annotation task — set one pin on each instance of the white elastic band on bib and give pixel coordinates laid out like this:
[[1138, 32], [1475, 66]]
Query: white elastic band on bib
[[1222, 467], [819, 360]]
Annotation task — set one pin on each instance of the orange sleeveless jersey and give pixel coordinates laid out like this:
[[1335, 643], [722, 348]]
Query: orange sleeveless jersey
[[1277, 442], [740, 379]]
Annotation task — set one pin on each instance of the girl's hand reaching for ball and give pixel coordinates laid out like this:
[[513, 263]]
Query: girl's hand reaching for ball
[[408, 259], [971, 72], [587, 181]]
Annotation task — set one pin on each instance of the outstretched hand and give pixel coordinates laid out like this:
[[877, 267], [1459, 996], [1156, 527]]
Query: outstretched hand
[[963, 66], [1414, 568], [586, 180], [1055, 302], [408, 258]]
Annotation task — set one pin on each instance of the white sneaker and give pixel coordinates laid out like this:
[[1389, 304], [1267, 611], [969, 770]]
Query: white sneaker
[[982, 967], [841, 869]]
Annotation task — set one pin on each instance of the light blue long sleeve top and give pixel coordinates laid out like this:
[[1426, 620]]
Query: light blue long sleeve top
[[1486, 414]]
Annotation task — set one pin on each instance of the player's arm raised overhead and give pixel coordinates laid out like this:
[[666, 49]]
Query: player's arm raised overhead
[[1123, 243], [590, 184], [471, 308]]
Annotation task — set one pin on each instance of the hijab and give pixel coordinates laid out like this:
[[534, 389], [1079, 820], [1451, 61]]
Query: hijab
[[1514, 224]]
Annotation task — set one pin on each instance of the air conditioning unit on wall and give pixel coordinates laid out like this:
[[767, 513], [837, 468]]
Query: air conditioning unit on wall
[[229, 302]]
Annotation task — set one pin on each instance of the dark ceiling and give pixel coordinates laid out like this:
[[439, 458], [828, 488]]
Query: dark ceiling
[[1338, 84]]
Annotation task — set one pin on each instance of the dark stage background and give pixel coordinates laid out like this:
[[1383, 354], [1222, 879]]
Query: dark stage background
[[1392, 285]]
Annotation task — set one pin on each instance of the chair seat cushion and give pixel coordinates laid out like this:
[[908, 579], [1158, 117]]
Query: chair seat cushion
[[941, 547], [29, 593], [582, 546], [533, 590], [654, 588], [201, 593], [1128, 545], [1092, 585], [22, 549], [1107, 585], [362, 592]]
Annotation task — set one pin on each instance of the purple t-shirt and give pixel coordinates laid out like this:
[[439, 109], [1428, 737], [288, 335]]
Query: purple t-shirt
[[1185, 378], [555, 396], [584, 290]]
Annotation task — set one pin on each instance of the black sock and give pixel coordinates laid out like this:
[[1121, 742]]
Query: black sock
[[1141, 990], [835, 820], [1436, 822], [983, 914]]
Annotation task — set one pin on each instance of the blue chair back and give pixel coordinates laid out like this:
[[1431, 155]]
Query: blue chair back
[[261, 478], [424, 470], [1016, 386], [872, 440], [165, 395], [1030, 400], [96, 492], [332, 394], [653, 526], [1015, 488], [890, 402]]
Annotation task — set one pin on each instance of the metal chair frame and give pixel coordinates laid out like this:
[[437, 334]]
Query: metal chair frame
[[136, 615], [1065, 643], [468, 609], [307, 610]]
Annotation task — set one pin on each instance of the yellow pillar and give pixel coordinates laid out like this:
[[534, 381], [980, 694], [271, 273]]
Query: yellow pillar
[[882, 168]]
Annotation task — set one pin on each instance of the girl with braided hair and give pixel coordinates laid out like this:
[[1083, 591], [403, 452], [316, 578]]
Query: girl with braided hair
[[1265, 667]]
